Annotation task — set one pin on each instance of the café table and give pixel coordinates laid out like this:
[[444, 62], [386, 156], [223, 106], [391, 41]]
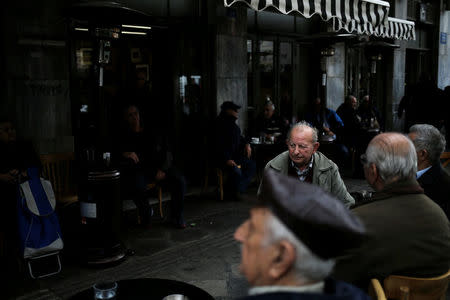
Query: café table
[[149, 288], [264, 152]]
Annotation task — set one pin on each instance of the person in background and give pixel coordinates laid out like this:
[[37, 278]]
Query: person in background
[[303, 162], [435, 181], [369, 114], [232, 152], [144, 160], [270, 125], [291, 239], [331, 129], [409, 233], [352, 122]]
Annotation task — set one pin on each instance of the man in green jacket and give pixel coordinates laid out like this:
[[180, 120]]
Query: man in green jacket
[[303, 161]]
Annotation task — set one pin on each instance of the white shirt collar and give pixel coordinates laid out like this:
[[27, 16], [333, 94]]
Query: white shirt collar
[[421, 172], [311, 288]]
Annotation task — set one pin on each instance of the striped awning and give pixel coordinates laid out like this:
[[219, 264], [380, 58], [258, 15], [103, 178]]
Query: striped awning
[[398, 29], [356, 12]]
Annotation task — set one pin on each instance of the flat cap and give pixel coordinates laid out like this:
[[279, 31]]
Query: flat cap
[[318, 219], [229, 105]]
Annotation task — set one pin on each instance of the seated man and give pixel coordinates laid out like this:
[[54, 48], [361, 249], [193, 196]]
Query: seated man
[[269, 125], [231, 150], [408, 233], [435, 181], [330, 129], [304, 162], [143, 160], [352, 123], [291, 239]]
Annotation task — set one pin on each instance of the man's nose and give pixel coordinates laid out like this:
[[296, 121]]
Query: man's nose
[[239, 233]]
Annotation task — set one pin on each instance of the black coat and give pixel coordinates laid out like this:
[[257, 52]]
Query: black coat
[[150, 149], [229, 144], [333, 290], [436, 184]]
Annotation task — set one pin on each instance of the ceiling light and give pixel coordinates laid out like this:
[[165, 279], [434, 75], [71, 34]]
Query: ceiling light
[[134, 32], [81, 29], [137, 26]]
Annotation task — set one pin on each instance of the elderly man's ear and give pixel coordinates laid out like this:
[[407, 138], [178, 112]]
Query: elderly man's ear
[[283, 259]]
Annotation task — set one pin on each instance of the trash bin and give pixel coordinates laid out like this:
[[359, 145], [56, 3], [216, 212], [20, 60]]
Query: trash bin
[[100, 211]]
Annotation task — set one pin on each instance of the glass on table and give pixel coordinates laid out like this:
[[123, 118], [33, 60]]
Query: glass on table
[[105, 290]]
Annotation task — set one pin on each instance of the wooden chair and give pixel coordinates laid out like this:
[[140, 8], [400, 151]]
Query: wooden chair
[[413, 288], [375, 290], [151, 186], [219, 173], [220, 182], [58, 169], [445, 158]]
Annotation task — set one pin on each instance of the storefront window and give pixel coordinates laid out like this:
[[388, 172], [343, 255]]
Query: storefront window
[[266, 63], [286, 73]]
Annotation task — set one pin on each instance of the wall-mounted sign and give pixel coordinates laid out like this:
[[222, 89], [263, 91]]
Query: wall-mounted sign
[[443, 39]]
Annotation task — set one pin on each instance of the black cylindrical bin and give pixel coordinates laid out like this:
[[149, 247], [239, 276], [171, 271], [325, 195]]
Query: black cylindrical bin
[[100, 210]]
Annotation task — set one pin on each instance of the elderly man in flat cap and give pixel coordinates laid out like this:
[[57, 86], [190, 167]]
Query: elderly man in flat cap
[[409, 234], [305, 163], [232, 152], [291, 238]]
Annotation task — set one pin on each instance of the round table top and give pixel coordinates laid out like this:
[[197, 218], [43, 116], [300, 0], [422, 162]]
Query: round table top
[[150, 288]]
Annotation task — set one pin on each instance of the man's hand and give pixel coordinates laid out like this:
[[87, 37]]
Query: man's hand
[[160, 175], [131, 155], [248, 150], [11, 177], [231, 163], [328, 131]]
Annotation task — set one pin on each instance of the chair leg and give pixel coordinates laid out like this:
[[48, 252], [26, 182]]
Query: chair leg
[[220, 179], [205, 186], [160, 202]]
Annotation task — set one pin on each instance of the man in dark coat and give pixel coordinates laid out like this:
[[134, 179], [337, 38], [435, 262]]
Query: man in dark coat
[[232, 151], [143, 160], [352, 124], [269, 125], [435, 181], [408, 233], [290, 241]]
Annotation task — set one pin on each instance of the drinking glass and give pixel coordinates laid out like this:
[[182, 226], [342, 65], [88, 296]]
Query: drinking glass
[[105, 290]]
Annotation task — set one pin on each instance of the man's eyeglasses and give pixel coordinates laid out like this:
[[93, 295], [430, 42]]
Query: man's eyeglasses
[[363, 159]]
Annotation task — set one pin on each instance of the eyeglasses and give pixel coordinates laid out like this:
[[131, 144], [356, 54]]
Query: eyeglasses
[[363, 159]]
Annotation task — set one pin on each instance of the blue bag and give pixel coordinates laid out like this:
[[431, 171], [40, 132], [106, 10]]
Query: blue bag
[[38, 224]]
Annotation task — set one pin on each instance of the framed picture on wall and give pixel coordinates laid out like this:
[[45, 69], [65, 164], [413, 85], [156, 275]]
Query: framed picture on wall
[[144, 69], [135, 55]]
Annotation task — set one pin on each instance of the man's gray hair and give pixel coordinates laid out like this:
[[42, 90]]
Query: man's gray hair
[[428, 138], [393, 162], [302, 125], [307, 266]]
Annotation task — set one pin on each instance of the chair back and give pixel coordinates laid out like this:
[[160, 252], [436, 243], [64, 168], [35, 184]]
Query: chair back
[[445, 159], [58, 168], [413, 288], [375, 290]]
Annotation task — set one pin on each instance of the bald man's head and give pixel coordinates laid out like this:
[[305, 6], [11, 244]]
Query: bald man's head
[[394, 156]]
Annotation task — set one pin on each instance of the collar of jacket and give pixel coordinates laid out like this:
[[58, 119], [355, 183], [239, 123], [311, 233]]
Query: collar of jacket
[[410, 186], [281, 163]]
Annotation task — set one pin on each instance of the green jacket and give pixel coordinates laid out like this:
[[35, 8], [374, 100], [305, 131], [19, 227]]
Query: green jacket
[[325, 174]]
